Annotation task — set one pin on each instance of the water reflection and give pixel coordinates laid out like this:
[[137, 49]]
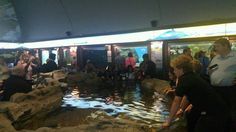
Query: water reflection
[[130, 100]]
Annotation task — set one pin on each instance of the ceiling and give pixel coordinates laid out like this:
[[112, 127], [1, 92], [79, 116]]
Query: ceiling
[[38, 20]]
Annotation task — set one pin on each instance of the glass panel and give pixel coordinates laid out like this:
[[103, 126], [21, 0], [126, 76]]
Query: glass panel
[[138, 52], [176, 49], [156, 53], [55, 52], [45, 55]]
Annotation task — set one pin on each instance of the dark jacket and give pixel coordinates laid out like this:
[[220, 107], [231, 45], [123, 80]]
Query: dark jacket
[[149, 68], [49, 66], [15, 84], [200, 94]]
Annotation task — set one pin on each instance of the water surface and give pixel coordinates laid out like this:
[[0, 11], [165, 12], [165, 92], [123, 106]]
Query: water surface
[[126, 98]]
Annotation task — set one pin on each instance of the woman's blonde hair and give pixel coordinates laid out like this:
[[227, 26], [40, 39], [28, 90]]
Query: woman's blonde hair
[[184, 62]]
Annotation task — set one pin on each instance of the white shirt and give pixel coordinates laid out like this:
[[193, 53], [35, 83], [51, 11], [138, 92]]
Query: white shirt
[[226, 71]]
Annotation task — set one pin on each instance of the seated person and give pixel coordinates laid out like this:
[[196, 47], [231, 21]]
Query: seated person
[[50, 65], [16, 83]]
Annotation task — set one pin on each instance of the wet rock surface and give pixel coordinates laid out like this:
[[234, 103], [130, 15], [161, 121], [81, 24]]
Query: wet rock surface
[[96, 121], [23, 107], [83, 79], [42, 114]]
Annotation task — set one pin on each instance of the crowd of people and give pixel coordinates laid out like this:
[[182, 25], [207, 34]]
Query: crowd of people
[[209, 104], [124, 68], [204, 89], [19, 78]]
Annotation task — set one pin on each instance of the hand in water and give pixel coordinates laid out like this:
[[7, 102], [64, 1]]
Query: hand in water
[[165, 125], [179, 113]]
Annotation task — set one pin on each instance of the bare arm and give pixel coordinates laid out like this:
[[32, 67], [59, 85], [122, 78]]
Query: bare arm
[[174, 108], [184, 103], [184, 106]]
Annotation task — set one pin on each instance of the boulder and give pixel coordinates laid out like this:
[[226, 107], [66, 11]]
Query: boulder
[[158, 85], [83, 79], [23, 107], [5, 124]]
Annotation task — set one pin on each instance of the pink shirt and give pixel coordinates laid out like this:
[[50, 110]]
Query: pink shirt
[[130, 61]]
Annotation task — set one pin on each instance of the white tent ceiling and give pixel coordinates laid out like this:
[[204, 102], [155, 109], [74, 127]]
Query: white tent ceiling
[[55, 19]]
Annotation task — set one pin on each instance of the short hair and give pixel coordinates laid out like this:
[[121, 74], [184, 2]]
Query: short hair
[[184, 62], [186, 50], [52, 56], [130, 54], [223, 41], [145, 55]]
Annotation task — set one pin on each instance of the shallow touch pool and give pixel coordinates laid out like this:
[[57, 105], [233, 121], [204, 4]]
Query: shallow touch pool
[[132, 101]]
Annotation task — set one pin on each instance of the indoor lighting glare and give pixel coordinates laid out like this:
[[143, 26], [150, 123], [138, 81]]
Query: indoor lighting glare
[[5, 45], [108, 39], [230, 28], [49, 44], [202, 31], [160, 35], [156, 44]]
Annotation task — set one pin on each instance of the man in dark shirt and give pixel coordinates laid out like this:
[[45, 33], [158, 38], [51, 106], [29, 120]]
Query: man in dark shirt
[[16, 83], [214, 112], [50, 65], [148, 67]]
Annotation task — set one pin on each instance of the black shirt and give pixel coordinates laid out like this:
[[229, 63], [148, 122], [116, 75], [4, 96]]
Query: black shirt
[[200, 94], [49, 66], [149, 68], [15, 84]]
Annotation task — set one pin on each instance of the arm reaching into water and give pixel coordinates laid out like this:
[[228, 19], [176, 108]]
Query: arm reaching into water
[[184, 107], [174, 108]]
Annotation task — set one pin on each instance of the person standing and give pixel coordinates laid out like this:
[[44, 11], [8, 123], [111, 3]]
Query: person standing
[[119, 64], [130, 61], [148, 67], [204, 62], [222, 71], [50, 65], [198, 93]]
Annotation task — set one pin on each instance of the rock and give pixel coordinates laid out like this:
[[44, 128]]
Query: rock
[[148, 83], [156, 84], [21, 97], [5, 124], [4, 106], [59, 74], [37, 103], [83, 79]]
